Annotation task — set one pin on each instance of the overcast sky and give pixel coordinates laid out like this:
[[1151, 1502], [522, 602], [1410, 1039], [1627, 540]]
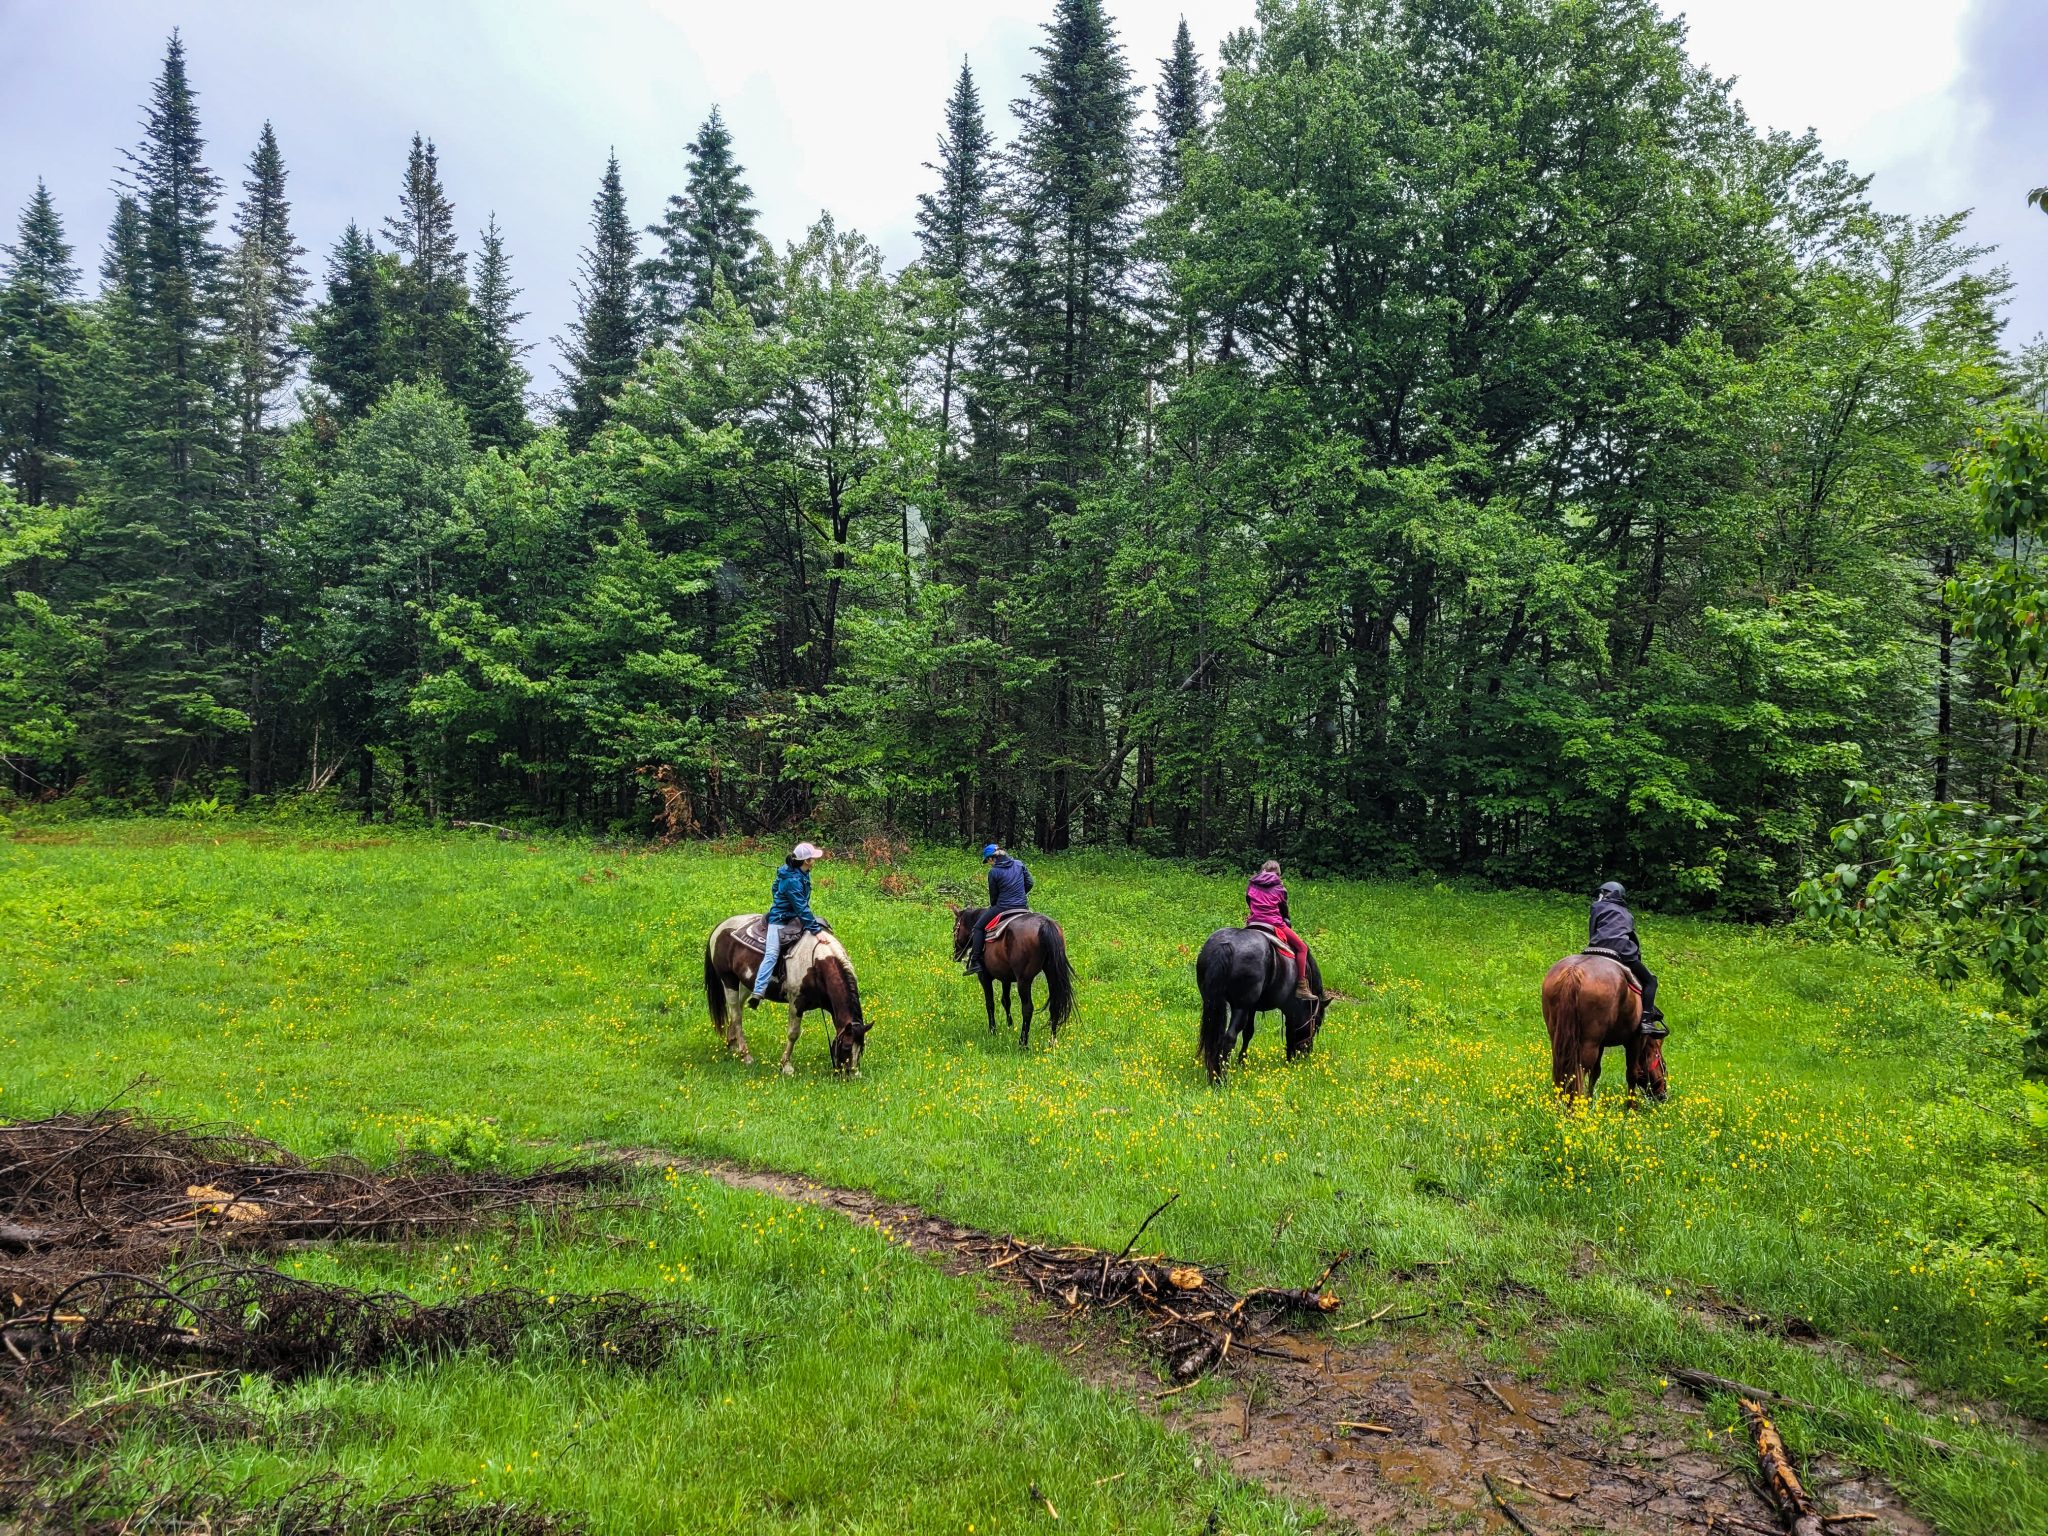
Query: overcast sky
[[835, 104]]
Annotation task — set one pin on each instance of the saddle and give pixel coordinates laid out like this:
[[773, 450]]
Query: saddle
[[755, 935], [1627, 975], [1271, 936], [999, 925]]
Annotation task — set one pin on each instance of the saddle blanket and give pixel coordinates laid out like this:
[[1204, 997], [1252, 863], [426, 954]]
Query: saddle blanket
[[999, 925], [755, 935]]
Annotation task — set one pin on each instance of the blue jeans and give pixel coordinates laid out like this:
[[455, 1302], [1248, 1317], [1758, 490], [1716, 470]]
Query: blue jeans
[[768, 958]]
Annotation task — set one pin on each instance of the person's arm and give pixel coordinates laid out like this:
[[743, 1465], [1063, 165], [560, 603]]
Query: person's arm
[[803, 905], [1286, 916], [1028, 881]]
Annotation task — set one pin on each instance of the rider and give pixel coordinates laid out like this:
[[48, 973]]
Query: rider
[[791, 903], [1009, 890], [1265, 902], [1613, 933]]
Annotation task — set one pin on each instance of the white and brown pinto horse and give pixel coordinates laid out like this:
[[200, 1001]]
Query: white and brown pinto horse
[[816, 973]]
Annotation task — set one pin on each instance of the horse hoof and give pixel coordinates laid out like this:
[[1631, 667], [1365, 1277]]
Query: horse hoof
[[788, 1070]]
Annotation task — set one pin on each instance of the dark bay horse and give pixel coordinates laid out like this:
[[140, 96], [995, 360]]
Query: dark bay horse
[[1032, 945], [1590, 1002], [1242, 973], [816, 973]]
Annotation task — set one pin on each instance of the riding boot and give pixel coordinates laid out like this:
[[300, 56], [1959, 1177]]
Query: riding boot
[[1654, 1027], [1304, 991]]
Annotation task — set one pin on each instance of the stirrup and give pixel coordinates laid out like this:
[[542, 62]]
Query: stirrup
[[1655, 1029], [754, 999]]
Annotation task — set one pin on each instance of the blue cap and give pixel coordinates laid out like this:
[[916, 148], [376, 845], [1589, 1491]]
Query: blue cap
[[989, 852]]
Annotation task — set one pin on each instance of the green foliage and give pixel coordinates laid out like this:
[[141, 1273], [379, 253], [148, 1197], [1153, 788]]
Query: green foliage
[[706, 239], [1963, 887], [42, 343], [604, 348]]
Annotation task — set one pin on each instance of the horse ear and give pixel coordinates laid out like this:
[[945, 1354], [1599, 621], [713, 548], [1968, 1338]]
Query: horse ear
[[950, 907]]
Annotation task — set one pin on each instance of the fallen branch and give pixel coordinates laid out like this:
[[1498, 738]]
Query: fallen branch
[[1515, 1517], [1162, 1205], [1795, 1508], [1705, 1383], [1372, 1429]]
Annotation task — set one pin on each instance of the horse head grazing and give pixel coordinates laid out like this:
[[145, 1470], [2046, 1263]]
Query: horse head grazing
[[1653, 1078], [842, 1000]]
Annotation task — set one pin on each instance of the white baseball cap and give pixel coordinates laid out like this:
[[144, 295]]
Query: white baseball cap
[[804, 851]]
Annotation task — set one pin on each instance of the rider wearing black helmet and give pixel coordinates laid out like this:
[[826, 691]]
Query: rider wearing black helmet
[[1613, 933]]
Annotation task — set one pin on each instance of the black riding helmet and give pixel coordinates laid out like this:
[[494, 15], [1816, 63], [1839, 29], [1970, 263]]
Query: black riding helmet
[[1612, 891]]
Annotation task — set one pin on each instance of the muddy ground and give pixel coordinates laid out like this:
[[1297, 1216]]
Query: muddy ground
[[1388, 1433]]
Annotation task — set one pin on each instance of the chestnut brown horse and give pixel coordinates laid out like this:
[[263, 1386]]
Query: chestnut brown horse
[[1031, 946], [816, 973], [1590, 1002]]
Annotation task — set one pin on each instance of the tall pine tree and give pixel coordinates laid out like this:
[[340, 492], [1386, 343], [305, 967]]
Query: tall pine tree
[[707, 237], [42, 340], [352, 353], [1179, 101], [953, 229], [166, 701], [265, 291], [494, 383], [603, 347], [430, 328]]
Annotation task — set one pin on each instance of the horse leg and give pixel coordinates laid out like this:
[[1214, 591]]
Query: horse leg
[[1009, 1017], [988, 998], [1242, 1022], [796, 1027], [736, 1024], [1024, 1040], [1592, 1058]]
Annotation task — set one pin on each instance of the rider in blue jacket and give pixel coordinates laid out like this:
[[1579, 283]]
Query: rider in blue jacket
[[791, 903], [1612, 932], [1009, 890]]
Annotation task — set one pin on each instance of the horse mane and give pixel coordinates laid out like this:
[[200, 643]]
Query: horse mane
[[842, 987]]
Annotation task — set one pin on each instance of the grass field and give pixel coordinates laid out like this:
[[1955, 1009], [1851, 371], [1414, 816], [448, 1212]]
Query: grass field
[[1843, 1144]]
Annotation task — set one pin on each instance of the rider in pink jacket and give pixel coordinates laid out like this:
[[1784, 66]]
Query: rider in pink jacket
[[1265, 902]]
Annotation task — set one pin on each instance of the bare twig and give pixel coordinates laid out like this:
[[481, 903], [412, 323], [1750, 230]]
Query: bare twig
[[1515, 1517], [1162, 1205]]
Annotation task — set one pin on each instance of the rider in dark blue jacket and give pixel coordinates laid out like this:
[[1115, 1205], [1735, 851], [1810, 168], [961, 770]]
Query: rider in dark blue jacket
[[1613, 933], [1009, 890], [791, 903]]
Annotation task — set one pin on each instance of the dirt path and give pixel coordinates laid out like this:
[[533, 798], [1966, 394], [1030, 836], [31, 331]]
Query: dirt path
[[1440, 1424]]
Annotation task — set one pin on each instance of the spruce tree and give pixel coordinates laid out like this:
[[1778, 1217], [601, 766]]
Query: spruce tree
[[266, 293], [1179, 100], [166, 698], [494, 382], [603, 346], [265, 290], [953, 225], [429, 328], [352, 354], [42, 340], [706, 237]]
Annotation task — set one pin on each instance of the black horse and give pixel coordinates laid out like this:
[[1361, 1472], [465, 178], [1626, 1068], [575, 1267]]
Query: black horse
[[1242, 973]]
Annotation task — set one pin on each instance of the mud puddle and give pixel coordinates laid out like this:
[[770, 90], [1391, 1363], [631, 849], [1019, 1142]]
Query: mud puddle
[[1388, 1433]]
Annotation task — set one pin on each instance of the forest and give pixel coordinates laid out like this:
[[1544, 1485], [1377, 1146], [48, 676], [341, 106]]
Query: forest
[[1430, 436]]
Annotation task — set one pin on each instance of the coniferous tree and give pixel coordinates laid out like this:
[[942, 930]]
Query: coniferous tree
[[603, 346], [352, 353], [494, 383], [1179, 100], [953, 227], [42, 341], [429, 327], [707, 238], [165, 701], [1070, 383], [266, 292]]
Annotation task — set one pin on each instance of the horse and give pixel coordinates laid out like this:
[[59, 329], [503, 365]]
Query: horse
[[816, 973], [1242, 973], [1032, 945], [1590, 1002]]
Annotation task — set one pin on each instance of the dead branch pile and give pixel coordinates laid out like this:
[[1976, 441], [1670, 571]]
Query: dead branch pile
[[256, 1319], [1195, 1318], [82, 1194]]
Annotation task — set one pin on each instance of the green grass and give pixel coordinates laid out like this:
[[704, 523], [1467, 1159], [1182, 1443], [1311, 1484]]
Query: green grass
[[1843, 1143], [850, 1390]]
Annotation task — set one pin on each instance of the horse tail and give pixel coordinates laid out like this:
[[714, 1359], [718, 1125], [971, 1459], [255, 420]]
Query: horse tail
[[1215, 990], [1564, 1015], [714, 988], [1059, 973]]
